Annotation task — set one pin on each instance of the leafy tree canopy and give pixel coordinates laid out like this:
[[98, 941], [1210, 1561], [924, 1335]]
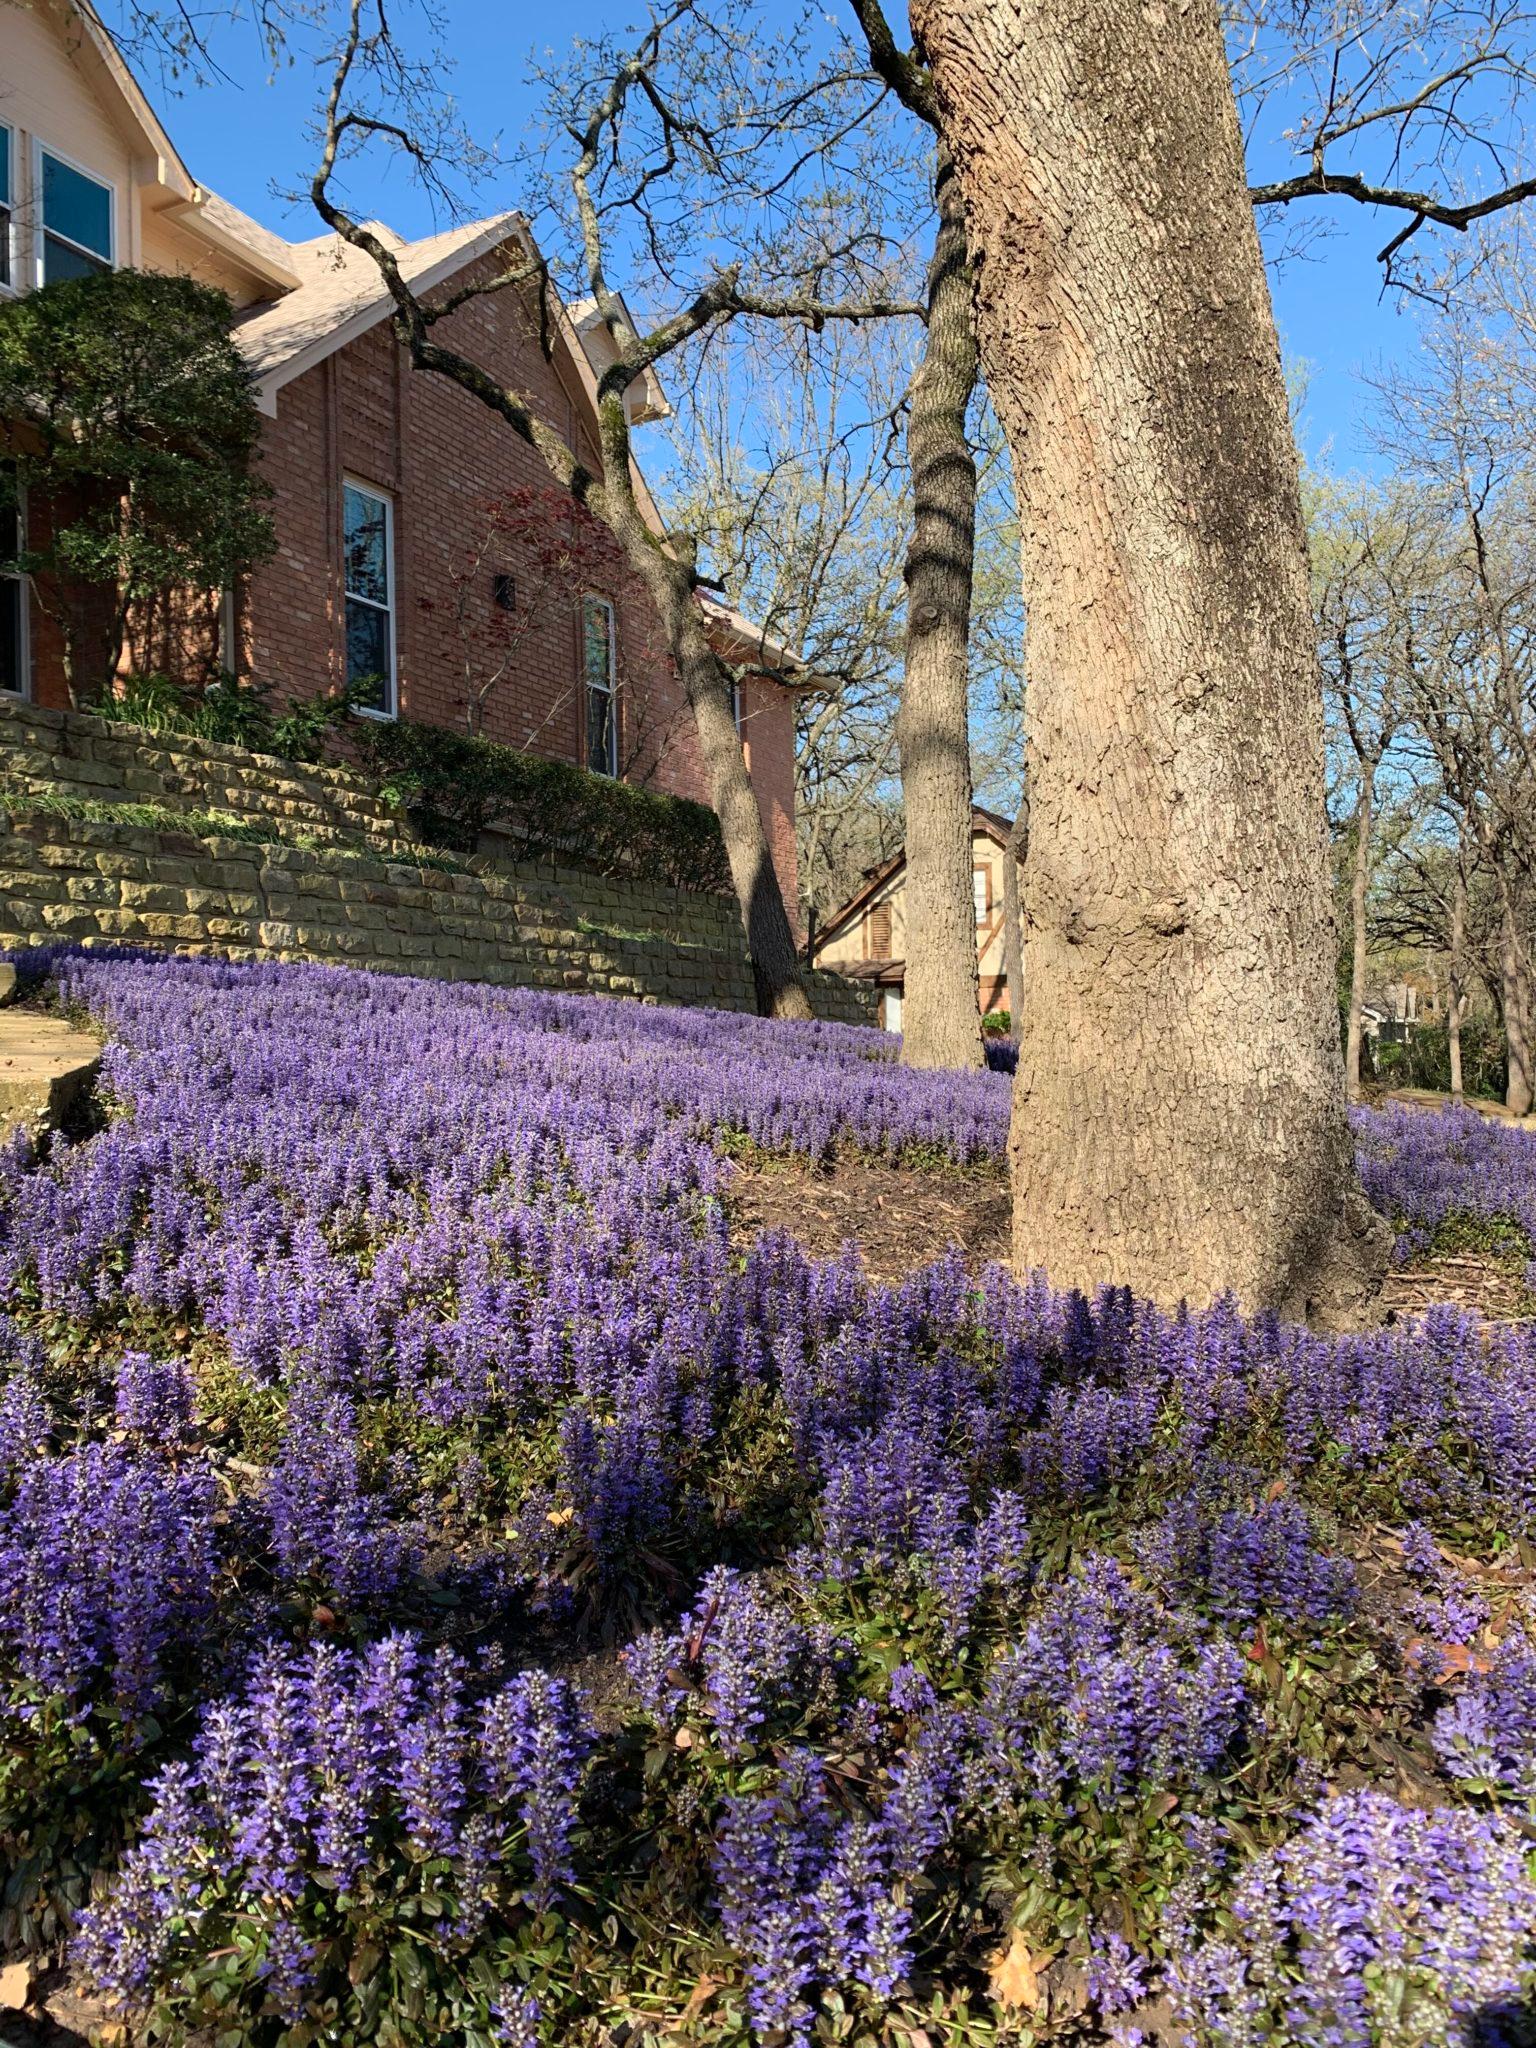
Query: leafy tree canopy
[[128, 423]]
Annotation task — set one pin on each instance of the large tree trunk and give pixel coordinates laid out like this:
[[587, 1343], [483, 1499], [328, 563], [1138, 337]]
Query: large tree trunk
[[1014, 856], [1178, 1121], [1515, 978], [1455, 979], [941, 1017], [1359, 890]]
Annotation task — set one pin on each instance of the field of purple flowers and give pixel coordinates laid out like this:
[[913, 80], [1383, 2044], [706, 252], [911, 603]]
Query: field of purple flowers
[[448, 1593]]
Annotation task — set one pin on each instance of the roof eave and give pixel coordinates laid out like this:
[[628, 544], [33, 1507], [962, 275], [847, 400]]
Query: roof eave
[[170, 172], [271, 380], [192, 215]]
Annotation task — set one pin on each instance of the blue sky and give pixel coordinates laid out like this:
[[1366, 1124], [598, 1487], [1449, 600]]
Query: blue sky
[[246, 135]]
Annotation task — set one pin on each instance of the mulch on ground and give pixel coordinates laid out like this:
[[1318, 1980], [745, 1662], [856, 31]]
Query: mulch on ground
[[1471, 1280], [901, 1217]]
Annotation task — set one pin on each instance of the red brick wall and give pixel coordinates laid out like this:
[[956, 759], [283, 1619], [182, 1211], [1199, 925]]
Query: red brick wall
[[441, 455]]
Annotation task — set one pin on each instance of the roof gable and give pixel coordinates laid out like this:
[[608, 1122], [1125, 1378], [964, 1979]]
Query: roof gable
[[340, 295], [108, 72], [985, 824]]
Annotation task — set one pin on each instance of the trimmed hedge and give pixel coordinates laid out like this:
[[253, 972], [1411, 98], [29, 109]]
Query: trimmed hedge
[[456, 787]]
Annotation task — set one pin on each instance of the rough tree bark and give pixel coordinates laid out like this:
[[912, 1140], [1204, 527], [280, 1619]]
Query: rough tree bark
[[1365, 810], [941, 1017], [1179, 1121], [1515, 981], [1456, 999], [1015, 853]]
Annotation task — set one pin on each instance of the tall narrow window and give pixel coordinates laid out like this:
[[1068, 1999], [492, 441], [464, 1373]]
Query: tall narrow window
[[7, 202], [597, 661], [370, 585], [981, 884], [77, 221], [13, 591], [229, 632]]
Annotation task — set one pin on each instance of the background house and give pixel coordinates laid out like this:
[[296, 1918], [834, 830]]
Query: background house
[[381, 475], [867, 937]]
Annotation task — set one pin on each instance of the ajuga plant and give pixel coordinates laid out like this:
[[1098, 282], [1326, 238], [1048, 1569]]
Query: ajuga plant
[[453, 1586]]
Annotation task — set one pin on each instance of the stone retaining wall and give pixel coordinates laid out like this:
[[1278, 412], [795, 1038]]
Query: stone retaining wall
[[323, 869], [69, 753], [95, 883]]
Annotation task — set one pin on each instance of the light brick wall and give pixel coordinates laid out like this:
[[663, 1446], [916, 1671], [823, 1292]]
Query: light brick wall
[[96, 883]]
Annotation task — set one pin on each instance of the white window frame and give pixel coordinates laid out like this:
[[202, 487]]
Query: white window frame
[[24, 583], [40, 149], [8, 234], [596, 597], [354, 483], [981, 892]]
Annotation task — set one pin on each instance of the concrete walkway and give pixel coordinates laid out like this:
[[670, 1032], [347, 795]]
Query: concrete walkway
[[45, 1064]]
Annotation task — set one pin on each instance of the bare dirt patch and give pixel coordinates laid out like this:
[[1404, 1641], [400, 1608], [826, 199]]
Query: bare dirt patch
[[900, 1217]]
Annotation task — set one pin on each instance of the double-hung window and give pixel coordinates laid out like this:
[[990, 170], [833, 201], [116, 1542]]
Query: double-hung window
[[7, 203], [369, 547], [981, 886], [76, 220], [597, 660], [13, 591]]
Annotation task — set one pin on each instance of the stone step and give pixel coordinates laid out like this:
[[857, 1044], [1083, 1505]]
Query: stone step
[[46, 1065]]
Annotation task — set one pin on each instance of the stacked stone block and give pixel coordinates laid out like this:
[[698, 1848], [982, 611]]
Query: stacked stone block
[[359, 894]]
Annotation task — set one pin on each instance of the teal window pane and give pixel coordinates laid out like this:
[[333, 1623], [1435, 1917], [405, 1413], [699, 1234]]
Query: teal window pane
[[60, 261], [368, 654], [77, 207], [602, 734], [597, 643], [7, 144], [367, 546]]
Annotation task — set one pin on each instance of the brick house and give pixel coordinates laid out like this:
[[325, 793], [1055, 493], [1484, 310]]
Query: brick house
[[381, 475], [867, 937]]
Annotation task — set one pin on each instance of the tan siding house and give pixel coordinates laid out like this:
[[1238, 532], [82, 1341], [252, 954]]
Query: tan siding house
[[867, 937]]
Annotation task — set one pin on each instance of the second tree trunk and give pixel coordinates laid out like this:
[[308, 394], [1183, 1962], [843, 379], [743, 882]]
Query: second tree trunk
[[941, 1018]]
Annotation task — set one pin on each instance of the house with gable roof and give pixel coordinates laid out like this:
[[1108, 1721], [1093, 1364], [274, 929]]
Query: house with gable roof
[[866, 937], [381, 475]]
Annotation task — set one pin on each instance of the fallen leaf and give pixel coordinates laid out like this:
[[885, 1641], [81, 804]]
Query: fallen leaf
[[1014, 1978], [699, 1997], [558, 1517], [1457, 1660], [15, 1985]]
